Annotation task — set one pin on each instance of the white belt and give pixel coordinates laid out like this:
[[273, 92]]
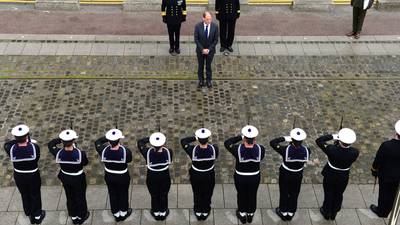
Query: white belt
[[26, 171], [199, 170], [291, 170], [247, 174], [335, 168], [116, 171], [157, 170], [72, 174]]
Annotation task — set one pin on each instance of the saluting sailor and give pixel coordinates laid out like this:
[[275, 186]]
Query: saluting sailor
[[158, 158], [386, 167], [116, 157], [248, 156], [294, 156], [202, 174], [24, 154], [341, 156], [71, 160]]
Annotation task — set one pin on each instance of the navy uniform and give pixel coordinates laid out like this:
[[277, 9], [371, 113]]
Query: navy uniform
[[294, 156], [173, 13], [116, 158], [158, 158], [248, 156], [71, 160], [202, 174], [360, 8], [227, 12], [386, 167], [336, 172], [24, 154]]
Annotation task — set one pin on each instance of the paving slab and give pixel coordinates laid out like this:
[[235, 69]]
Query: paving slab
[[218, 197], [65, 49], [225, 217], [367, 217], [116, 49], [301, 217], [6, 194], [148, 49], [3, 46], [8, 218], [140, 197], [92, 197], [246, 49], [99, 49], [369, 195], [307, 198], [230, 196], [83, 48], [262, 49], [269, 217], [352, 197], [16, 202], [208, 221], [48, 49], [347, 216], [279, 49], [14, 48], [178, 217], [132, 49], [360, 49], [317, 219], [50, 197], [295, 49], [32, 49], [147, 219]]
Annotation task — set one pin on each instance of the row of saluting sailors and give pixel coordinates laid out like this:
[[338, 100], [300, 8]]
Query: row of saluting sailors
[[25, 153]]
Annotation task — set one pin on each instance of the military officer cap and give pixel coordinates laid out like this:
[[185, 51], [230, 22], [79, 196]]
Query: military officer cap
[[203, 133], [397, 127], [298, 134], [68, 135], [157, 139], [347, 136], [114, 135], [249, 131], [20, 130]]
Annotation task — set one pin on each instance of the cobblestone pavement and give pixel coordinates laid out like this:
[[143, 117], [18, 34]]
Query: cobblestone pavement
[[356, 200], [49, 91]]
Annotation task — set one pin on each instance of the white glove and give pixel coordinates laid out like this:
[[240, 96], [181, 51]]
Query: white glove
[[335, 136], [287, 138], [33, 141]]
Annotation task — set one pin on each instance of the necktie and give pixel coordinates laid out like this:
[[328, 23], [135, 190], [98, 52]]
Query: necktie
[[206, 31]]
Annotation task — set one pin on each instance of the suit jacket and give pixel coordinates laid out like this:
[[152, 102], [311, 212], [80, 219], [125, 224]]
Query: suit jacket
[[227, 9], [202, 42], [360, 3], [173, 11]]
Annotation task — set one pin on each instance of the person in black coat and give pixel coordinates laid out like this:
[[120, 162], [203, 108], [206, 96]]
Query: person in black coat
[[341, 156], [360, 8], [227, 12], [173, 13], [386, 167], [206, 38], [202, 174], [158, 180], [25, 154], [71, 160], [294, 156], [116, 157], [248, 155]]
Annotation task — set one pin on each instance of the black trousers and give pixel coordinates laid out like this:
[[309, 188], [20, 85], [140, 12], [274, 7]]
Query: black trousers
[[203, 184], [358, 18], [208, 61], [174, 33], [118, 190], [158, 184], [246, 187], [75, 192], [227, 32], [289, 189], [387, 195], [333, 193], [29, 185]]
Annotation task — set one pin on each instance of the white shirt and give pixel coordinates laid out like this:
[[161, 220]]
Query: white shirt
[[204, 30]]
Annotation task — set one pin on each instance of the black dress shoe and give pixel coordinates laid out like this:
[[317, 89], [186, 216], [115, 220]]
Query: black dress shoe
[[222, 49], [199, 216], [42, 216], [243, 219], [279, 213], [333, 216], [350, 34], [204, 217], [81, 221], [249, 218], [374, 209], [288, 218], [230, 49], [128, 213], [171, 50], [201, 84], [178, 51], [154, 215], [209, 84], [324, 214]]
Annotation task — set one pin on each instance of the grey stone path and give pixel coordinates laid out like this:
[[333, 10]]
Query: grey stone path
[[357, 199], [25, 44]]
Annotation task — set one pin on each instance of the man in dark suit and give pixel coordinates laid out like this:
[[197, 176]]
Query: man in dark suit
[[173, 13], [206, 38], [386, 167], [360, 8], [227, 11]]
